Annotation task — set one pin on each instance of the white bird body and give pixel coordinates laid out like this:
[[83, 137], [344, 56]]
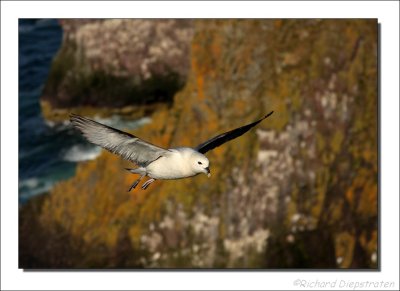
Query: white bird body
[[183, 165], [153, 161]]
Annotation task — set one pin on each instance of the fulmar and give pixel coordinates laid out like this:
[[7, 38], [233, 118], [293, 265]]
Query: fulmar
[[154, 161]]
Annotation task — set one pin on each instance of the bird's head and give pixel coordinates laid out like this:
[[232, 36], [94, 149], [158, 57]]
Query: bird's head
[[200, 164]]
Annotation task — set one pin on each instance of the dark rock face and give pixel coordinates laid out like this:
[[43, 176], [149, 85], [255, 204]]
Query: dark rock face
[[301, 187], [119, 62], [307, 249]]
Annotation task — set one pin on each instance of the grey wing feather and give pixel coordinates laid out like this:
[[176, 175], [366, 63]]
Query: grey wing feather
[[128, 146]]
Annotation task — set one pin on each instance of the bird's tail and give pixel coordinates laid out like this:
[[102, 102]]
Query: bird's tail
[[140, 171]]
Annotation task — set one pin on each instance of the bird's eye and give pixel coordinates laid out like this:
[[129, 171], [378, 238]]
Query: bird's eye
[[200, 163]]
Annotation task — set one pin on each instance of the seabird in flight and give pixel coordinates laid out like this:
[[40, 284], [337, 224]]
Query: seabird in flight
[[154, 161]]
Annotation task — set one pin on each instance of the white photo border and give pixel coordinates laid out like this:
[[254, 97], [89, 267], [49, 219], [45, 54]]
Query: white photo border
[[13, 278]]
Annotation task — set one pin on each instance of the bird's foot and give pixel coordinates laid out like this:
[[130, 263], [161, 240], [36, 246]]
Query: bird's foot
[[147, 183], [133, 186]]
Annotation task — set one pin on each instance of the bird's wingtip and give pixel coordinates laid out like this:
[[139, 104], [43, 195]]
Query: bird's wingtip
[[268, 114], [76, 117], [73, 115]]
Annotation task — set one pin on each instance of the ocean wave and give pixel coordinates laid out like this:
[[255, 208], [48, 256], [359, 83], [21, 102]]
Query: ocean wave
[[57, 125], [80, 153], [34, 186]]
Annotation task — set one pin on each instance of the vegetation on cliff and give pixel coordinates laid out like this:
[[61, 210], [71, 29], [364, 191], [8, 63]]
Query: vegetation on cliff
[[298, 192]]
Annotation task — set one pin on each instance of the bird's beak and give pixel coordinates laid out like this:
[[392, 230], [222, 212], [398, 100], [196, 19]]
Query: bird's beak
[[208, 171]]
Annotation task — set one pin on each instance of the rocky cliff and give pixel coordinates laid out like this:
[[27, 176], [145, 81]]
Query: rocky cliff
[[298, 192], [128, 65]]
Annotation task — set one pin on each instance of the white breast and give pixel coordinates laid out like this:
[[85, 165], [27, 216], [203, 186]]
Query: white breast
[[174, 166]]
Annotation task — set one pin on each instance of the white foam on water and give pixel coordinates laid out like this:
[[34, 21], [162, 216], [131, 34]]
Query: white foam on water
[[80, 153], [29, 183], [34, 186]]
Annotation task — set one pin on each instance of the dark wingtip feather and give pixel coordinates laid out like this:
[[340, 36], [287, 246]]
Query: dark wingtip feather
[[227, 136], [268, 114]]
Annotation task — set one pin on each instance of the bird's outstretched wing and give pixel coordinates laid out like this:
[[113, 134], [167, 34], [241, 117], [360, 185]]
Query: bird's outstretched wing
[[128, 146], [227, 136]]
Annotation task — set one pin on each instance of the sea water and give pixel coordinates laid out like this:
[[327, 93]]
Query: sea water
[[48, 152]]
